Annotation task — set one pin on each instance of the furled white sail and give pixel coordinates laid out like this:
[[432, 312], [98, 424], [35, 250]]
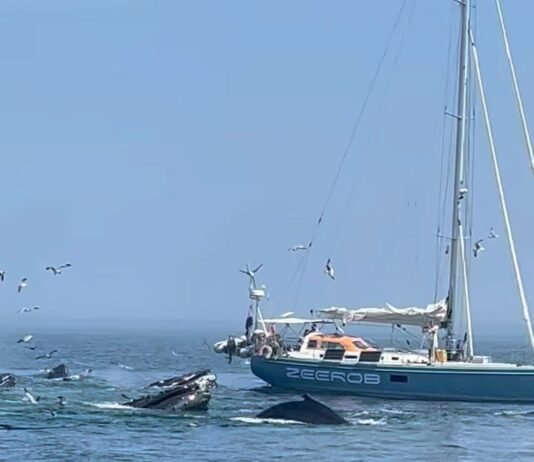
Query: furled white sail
[[431, 315]]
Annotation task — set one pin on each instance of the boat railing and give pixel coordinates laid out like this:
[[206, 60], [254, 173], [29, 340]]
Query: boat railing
[[520, 356]]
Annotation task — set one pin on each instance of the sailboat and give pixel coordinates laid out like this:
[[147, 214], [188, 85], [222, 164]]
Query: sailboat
[[446, 368]]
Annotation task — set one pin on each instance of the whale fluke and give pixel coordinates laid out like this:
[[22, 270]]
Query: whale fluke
[[307, 411]]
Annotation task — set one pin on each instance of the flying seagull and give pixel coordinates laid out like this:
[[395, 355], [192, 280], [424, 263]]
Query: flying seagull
[[2, 275], [22, 284], [329, 269], [28, 310], [296, 248], [47, 355], [31, 347], [478, 247], [29, 397], [58, 269], [25, 339], [492, 234]]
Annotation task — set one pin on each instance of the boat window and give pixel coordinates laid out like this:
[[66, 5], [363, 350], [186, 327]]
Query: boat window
[[312, 344], [359, 344], [334, 346], [370, 356], [398, 378]]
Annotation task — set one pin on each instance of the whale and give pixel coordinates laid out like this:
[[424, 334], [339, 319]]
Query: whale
[[179, 380], [7, 380], [188, 392], [59, 372], [307, 411]]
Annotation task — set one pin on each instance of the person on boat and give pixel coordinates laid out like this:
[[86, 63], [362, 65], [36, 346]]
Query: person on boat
[[307, 331], [248, 329], [231, 348]]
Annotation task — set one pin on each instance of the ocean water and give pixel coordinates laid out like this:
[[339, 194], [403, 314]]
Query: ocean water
[[94, 426]]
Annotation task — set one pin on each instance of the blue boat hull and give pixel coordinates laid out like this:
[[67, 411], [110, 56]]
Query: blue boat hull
[[439, 382]]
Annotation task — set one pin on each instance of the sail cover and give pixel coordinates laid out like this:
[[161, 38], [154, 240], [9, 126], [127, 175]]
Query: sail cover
[[433, 314]]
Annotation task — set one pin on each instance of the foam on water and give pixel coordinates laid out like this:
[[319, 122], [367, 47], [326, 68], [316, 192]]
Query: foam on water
[[381, 421]]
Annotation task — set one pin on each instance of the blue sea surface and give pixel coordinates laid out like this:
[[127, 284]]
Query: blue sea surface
[[94, 426]]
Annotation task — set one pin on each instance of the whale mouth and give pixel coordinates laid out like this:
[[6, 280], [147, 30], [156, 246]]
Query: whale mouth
[[190, 391]]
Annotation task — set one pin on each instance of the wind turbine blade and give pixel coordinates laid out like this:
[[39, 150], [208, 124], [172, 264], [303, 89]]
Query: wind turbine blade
[[258, 268]]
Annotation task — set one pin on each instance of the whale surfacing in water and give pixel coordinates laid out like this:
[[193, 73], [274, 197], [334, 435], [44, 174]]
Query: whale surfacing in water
[[307, 411], [182, 393], [7, 380]]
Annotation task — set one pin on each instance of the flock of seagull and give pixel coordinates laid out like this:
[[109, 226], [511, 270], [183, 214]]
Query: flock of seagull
[[26, 339], [328, 269], [330, 272]]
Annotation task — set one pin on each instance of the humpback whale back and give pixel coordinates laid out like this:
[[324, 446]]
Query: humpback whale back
[[308, 411]]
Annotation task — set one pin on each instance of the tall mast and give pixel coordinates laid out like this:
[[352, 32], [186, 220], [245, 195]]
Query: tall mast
[[465, 6]]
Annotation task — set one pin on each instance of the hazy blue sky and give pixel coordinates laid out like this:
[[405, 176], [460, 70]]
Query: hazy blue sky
[[157, 146]]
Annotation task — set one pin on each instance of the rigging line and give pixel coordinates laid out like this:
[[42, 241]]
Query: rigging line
[[504, 207], [358, 119], [471, 158], [292, 278], [301, 280], [467, 298], [373, 131], [350, 141], [441, 195], [516, 85]]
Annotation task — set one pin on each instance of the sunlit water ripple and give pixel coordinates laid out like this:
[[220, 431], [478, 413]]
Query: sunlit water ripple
[[94, 426]]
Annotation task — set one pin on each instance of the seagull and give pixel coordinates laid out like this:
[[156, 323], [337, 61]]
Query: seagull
[[61, 401], [50, 411], [492, 234], [29, 397], [22, 284], [329, 269], [25, 339], [47, 355], [31, 347], [174, 353], [27, 310], [296, 248], [58, 269], [2, 275], [478, 247]]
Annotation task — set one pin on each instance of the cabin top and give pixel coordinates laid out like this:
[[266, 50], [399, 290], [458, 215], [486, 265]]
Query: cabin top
[[318, 341]]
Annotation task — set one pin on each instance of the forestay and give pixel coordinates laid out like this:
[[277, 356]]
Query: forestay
[[433, 314]]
